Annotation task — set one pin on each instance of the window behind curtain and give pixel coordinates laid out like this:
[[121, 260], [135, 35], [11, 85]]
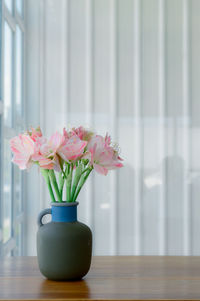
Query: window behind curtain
[[11, 122]]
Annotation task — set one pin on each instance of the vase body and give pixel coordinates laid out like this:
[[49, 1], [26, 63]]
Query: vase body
[[64, 246]]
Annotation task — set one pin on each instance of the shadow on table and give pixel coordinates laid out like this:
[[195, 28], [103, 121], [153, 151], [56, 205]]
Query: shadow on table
[[68, 289]]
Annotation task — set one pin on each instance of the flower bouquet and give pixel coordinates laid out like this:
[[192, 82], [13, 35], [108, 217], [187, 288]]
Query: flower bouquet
[[73, 155], [65, 161]]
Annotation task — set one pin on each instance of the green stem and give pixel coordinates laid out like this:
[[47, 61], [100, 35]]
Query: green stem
[[77, 177], [63, 171], [86, 170], [55, 185], [45, 173], [81, 183], [69, 183], [67, 169], [61, 183]]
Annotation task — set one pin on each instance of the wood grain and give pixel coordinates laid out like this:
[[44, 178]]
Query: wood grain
[[110, 278]]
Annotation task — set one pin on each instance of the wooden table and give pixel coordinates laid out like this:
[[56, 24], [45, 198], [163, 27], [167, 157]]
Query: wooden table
[[110, 278]]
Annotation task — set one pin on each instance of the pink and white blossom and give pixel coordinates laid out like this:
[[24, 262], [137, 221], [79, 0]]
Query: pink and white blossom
[[72, 148], [35, 133], [46, 155], [67, 147], [82, 133], [103, 157], [23, 147]]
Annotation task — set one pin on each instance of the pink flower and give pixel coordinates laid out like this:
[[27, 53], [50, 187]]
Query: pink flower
[[23, 148], [46, 154], [72, 148], [82, 133], [103, 156], [47, 162], [35, 133], [67, 147]]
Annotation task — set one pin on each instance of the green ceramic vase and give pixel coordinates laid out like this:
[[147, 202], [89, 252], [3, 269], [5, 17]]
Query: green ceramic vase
[[64, 246]]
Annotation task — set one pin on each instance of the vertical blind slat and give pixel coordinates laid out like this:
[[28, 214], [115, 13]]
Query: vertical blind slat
[[138, 132], [113, 116], [64, 54], [186, 124], [89, 101], [162, 124], [41, 76]]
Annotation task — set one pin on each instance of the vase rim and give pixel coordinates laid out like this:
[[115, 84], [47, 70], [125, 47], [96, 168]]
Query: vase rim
[[64, 204]]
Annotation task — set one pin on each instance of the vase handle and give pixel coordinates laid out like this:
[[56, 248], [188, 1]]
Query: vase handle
[[41, 214]]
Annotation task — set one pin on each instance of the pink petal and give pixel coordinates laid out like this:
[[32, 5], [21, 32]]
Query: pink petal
[[56, 140], [100, 169], [23, 148]]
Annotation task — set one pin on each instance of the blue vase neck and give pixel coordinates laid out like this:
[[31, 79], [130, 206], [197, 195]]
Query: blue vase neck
[[64, 212]]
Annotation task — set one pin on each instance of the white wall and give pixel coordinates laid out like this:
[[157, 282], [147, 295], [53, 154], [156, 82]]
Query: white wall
[[131, 68]]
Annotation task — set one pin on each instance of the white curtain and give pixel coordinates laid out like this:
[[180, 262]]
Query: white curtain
[[132, 68]]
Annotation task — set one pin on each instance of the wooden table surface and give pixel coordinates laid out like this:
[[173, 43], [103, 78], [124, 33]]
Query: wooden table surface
[[110, 278]]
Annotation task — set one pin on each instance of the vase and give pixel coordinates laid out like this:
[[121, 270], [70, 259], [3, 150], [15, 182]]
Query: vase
[[64, 245]]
